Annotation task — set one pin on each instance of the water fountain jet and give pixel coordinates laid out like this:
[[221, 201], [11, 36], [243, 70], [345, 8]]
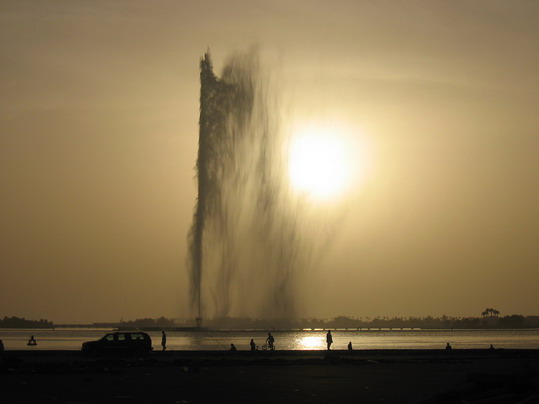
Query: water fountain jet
[[245, 244]]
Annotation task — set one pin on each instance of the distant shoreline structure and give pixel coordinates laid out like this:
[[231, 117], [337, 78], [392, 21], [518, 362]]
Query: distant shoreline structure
[[311, 324], [265, 329], [187, 329]]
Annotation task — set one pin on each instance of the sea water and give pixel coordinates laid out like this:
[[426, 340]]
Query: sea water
[[72, 339]]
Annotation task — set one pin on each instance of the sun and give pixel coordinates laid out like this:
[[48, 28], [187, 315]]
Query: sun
[[319, 162]]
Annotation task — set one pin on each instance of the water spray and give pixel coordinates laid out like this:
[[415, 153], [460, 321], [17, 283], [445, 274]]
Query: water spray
[[245, 243]]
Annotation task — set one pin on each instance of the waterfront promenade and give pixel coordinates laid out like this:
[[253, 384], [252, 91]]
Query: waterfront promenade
[[366, 376]]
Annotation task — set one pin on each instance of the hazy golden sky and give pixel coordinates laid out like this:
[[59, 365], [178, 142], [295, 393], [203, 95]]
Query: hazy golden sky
[[99, 130]]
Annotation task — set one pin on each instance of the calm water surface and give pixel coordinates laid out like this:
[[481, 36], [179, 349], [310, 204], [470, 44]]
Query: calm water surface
[[71, 339]]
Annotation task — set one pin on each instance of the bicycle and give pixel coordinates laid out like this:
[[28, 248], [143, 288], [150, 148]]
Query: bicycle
[[265, 347]]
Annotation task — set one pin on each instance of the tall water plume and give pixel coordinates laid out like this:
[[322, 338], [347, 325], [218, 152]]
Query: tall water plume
[[246, 249]]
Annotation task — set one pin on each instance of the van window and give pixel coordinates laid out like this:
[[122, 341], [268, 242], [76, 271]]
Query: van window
[[137, 336], [121, 337], [109, 337]]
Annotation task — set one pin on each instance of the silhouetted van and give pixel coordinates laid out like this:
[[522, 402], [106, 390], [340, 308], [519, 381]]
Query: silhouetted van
[[118, 343]]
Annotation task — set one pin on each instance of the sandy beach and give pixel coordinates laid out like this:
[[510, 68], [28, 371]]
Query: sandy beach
[[388, 376]]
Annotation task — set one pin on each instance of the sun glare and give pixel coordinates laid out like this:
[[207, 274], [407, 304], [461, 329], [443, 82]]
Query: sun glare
[[319, 162], [310, 342]]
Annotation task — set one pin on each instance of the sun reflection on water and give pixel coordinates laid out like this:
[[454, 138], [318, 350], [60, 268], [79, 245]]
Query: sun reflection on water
[[310, 343]]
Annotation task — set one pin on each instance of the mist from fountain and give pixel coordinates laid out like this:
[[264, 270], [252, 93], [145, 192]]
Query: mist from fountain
[[246, 246]]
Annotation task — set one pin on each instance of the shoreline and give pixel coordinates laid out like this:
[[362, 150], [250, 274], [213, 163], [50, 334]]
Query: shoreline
[[461, 352], [209, 329], [321, 376]]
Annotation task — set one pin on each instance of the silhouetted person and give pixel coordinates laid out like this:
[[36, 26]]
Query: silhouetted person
[[32, 341], [270, 340], [448, 347], [350, 346], [233, 347], [253, 345], [1, 346], [491, 347], [164, 340], [329, 339]]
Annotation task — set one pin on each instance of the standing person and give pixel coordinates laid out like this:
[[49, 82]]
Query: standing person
[[270, 340], [164, 341], [350, 346], [32, 341], [329, 339], [253, 345]]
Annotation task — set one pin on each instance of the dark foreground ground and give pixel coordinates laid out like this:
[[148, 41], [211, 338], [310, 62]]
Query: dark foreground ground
[[384, 376]]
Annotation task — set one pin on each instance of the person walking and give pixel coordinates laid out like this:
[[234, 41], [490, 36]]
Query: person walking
[[253, 345], [164, 340], [329, 339]]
